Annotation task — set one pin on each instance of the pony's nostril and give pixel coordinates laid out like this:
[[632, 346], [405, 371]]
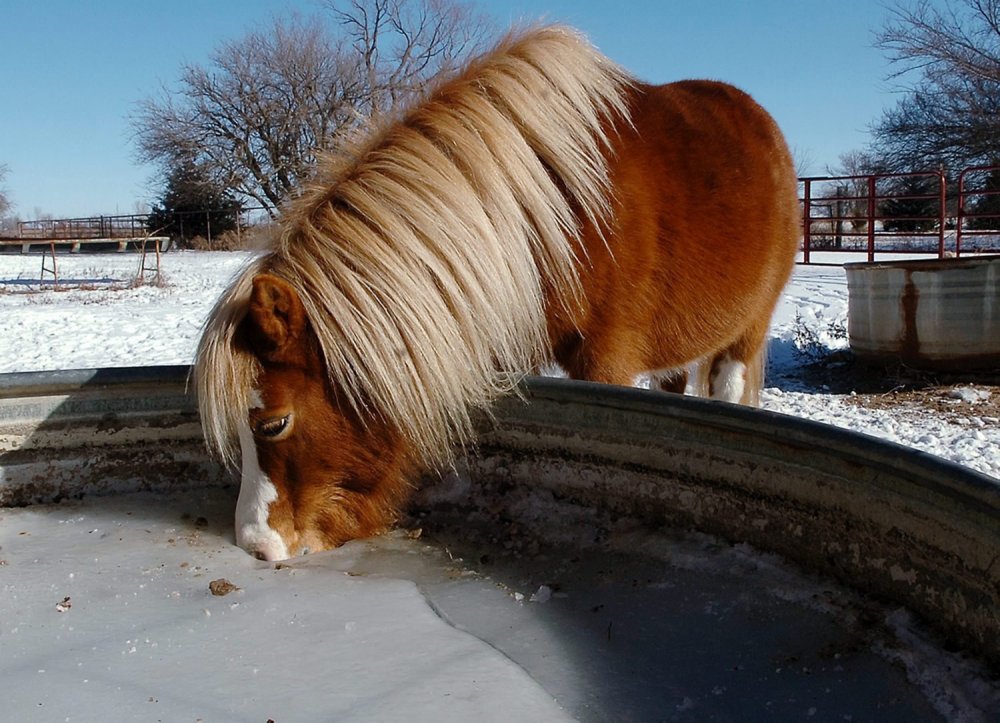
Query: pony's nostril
[[267, 551]]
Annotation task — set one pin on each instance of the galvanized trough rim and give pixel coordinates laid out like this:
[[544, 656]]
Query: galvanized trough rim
[[896, 523]]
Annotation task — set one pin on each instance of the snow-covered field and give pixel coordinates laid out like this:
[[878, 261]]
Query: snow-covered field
[[106, 610], [99, 321]]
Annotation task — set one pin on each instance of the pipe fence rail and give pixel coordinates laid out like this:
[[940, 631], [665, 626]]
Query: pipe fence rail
[[901, 213], [109, 227], [857, 216], [176, 225]]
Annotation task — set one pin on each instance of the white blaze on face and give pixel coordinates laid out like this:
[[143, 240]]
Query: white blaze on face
[[256, 401], [728, 380], [257, 492]]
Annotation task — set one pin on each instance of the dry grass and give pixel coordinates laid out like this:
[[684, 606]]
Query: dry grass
[[252, 238], [897, 386]]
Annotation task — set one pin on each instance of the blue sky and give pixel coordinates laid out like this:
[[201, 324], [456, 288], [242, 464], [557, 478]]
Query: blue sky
[[73, 71]]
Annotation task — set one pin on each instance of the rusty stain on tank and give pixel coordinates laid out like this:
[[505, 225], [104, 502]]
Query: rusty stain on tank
[[908, 302]]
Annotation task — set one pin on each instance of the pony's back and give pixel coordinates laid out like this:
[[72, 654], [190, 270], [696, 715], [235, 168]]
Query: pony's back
[[703, 237]]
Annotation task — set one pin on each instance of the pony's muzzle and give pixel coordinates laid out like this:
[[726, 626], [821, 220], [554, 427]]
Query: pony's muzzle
[[268, 552]]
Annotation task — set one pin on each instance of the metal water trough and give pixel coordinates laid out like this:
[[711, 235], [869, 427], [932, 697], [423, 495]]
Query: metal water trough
[[897, 524], [933, 314]]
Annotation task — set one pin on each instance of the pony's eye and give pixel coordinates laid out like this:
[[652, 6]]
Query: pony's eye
[[271, 428]]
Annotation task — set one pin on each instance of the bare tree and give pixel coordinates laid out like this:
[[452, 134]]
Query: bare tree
[[8, 223], [5, 204], [400, 45], [258, 115], [852, 190], [856, 163], [948, 62]]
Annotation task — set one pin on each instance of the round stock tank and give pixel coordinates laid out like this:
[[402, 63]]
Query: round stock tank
[[633, 555], [934, 314]]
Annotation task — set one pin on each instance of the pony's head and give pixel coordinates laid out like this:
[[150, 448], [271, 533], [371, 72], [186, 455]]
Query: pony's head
[[409, 283], [315, 473]]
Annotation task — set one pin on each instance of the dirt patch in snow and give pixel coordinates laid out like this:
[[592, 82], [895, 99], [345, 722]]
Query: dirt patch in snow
[[949, 395], [953, 402]]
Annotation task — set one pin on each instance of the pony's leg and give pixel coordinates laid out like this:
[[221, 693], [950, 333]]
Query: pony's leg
[[728, 379], [669, 380], [607, 360], [605, 374], [736, 373]]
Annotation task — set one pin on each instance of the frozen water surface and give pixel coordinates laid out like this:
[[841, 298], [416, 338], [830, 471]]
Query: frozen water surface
[[106, 614], [141, 637]]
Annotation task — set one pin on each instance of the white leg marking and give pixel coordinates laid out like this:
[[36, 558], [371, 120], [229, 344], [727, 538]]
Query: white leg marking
[[257, 492], [728, 380]]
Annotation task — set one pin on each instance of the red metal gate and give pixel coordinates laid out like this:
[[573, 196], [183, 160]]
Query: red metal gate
[[978, 224], [900, 213]]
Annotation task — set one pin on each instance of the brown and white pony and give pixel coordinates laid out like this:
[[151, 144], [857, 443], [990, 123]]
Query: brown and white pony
[[539, 206]]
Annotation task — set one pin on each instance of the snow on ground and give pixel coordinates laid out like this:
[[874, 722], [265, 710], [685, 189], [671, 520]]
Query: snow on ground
[[101, 319], [106, 610], [814, 306]]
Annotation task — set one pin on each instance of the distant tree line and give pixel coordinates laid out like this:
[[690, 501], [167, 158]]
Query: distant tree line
[[947, 65], [4, 201], [248, 128], [192, 205], [947, 59], [8, 223]]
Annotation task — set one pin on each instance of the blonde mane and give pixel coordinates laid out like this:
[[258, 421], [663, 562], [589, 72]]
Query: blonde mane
[[424, 257]]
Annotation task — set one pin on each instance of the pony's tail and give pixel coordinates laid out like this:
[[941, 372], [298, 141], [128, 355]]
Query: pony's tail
[[756, 371], [701, 377]]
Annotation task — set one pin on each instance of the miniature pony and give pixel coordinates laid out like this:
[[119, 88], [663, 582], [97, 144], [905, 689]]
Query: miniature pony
[[539, 206]]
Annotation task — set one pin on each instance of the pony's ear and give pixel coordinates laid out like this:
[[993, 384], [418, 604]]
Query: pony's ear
[[276, 319]]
